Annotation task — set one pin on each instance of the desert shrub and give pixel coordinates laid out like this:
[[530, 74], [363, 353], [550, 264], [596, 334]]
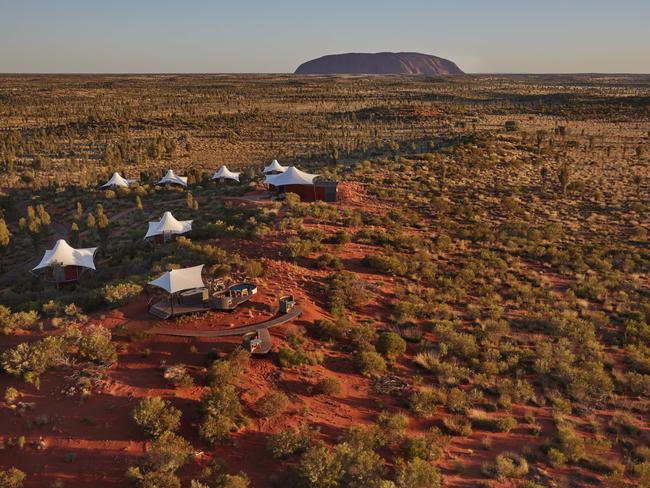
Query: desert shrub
[[457, 425], [331, 329], [506, 466], [12, 478], [417, 473], [168, 452], [272, 404], [290, 357], [391, 426], [423, 447], [424, 402], [329, 261], [155, 416], [369, 363], [9, 321], [11, 395], [480, 420], [30, 360], [96, 346], [457, 401], [153, 479], [224, 371], [386, 264], [343, 465], [221, 409], [121, 293], [363, 335], [638, 384], [363, 436], [344, 290], [556, 457], [290, 442], [642, 472], [391, 345], [328, 386], [460, 344], [571, 443], [234, 481]]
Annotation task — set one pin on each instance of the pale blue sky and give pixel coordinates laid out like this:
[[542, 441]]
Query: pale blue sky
[[117, 36]]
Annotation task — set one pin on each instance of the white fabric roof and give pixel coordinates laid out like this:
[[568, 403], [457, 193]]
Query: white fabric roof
[[224, 172], [117, 180], [180, 279], [168, 225], [292, 176], [274, 166], [65, 255], [171, 177]]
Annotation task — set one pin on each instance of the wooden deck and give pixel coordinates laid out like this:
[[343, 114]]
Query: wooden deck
[[295, 312], [164, 310]]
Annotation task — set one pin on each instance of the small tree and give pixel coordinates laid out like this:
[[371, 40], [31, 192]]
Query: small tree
[[272, 404], [156, 416], [418, 473], [391, 345]]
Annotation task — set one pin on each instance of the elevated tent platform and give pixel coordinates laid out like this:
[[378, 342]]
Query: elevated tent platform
[[197, 300]]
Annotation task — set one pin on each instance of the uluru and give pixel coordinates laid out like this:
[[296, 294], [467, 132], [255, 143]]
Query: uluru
[[385, 63]]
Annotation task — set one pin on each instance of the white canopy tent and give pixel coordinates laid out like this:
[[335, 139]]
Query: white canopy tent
[[180, 279], [225, 174], [171, 178], [292, 176], [118, 181], [65, 255], [274, 167], [168, 225]]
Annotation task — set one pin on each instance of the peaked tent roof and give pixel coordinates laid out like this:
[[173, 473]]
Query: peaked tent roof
[[180, 279], [274, 166], [224, 172], [171, 177], [292, 176], [168, 225], [117, 180], [65, 255]]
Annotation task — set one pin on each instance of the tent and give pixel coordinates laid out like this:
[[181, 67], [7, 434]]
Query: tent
[[67, 262], [292, 176], [225, 174], [274, 168], [172, 179], [168, 226], [117, 181], [180, 279]]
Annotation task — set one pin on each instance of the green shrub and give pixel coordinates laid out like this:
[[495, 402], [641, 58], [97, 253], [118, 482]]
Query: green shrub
[[288, 357], [96, 346], [328, 386], [421, 447], [121, 293], [457, 425], [12, 478], [9, 321], [370, 363], [272, 404], [391, 345], [168, 452], [507, 466], [418, 473], [391, 426], [424, 402], [221, 409], [331, 330], [290, 442], [155, 416]]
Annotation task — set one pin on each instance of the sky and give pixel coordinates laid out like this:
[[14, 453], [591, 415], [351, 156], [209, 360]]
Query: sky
[[262, 36]]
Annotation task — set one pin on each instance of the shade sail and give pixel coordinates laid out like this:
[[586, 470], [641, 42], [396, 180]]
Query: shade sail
[[274, 166], [225, 173], [172, 178], [292, 176], [180, 279], [118, 180], [168, 225], [64, 255]]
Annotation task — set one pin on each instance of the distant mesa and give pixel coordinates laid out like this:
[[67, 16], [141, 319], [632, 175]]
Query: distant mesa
[[379, 64]]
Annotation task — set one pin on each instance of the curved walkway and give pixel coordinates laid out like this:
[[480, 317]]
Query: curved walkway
[[274, 322]]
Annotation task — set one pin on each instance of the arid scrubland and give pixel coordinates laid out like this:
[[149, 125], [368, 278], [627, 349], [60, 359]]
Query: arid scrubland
[[476, 305]]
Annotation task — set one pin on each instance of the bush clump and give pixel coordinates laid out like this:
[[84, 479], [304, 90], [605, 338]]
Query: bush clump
[[391, 345], [155, 416], [370, 363], [272, 404]]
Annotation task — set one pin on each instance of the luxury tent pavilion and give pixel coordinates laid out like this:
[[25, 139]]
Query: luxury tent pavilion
[[305, 185], [274, 168], [172, 178], [117, 181], [167, 228], [65, 262], [224, 174]]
